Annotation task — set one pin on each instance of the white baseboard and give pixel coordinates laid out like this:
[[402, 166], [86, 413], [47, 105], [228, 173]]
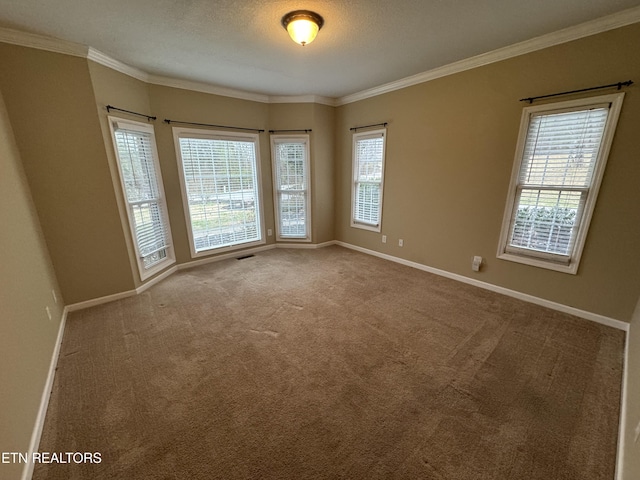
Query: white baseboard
[[27, 471], [183, 266], [306, 245], [157, 279], [595, 317], [610, 322], [622, 427], [225, 256], [99, 301], [119, 296]]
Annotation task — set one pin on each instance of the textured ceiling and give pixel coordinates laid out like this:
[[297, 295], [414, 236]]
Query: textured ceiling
[[240, 44]]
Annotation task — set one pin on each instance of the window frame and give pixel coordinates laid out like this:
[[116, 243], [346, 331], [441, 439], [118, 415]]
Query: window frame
[[355, 223], [118, 123], [303, 139], [196, 133], [566, 264]]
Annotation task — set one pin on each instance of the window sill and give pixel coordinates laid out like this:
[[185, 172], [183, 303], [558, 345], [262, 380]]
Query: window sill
[[224, 249], [371, 228], [293, 239], [156, 269], [572, 268]]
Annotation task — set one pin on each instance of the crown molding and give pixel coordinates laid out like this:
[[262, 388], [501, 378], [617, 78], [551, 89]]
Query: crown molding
[[50, 44], [593, 27], [40, 42], [99, 57], [332, 102], [610, 22], [207, 88]]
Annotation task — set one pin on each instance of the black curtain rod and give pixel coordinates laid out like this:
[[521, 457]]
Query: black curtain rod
[[367, 126], [619, 85], [305, 130], [148, 117], [212, 125]]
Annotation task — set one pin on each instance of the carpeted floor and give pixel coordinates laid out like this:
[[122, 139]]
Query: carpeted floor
[[330, 364]]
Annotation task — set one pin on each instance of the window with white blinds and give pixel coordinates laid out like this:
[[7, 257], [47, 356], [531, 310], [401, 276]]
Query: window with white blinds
[[220, 188], [290, 162], [141, 182], [368, 177], [559, 165]]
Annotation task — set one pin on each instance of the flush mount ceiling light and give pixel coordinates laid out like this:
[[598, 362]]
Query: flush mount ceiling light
[[302, 25]]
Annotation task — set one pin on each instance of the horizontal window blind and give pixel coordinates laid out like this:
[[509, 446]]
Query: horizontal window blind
[[291, 188], [556, 173], [221, 189], [368, 176], [140, 182]]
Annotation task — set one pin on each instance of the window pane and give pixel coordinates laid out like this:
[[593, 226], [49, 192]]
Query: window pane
[[154, 258], [148, 227], [293, 215], [561, 149], [220, 178], [545, 220], [368, 173], [136, 165], [368, 203], [137, 169], [369, 159], [290, 165], [291, 162]]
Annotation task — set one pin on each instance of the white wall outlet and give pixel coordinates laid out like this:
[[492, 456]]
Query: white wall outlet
[[635, 440], [384, 239], [400, 243], [48, 312], [269, 232], [55, 297], [477, 261]]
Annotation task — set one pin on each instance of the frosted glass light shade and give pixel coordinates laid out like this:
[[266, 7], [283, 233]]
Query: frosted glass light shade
[[302, 31], [302, 25]]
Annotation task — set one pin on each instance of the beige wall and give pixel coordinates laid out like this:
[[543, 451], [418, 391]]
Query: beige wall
[[631, 453], [450, 150], [323, 173], [52, 108], [125, 92], [27, 279]]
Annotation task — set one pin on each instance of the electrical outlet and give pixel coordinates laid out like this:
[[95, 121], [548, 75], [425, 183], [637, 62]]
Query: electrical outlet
[[48, 312], [269, 232], [384, 239], [400, 243], [635, 440], [477, 262], [55, 297]]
